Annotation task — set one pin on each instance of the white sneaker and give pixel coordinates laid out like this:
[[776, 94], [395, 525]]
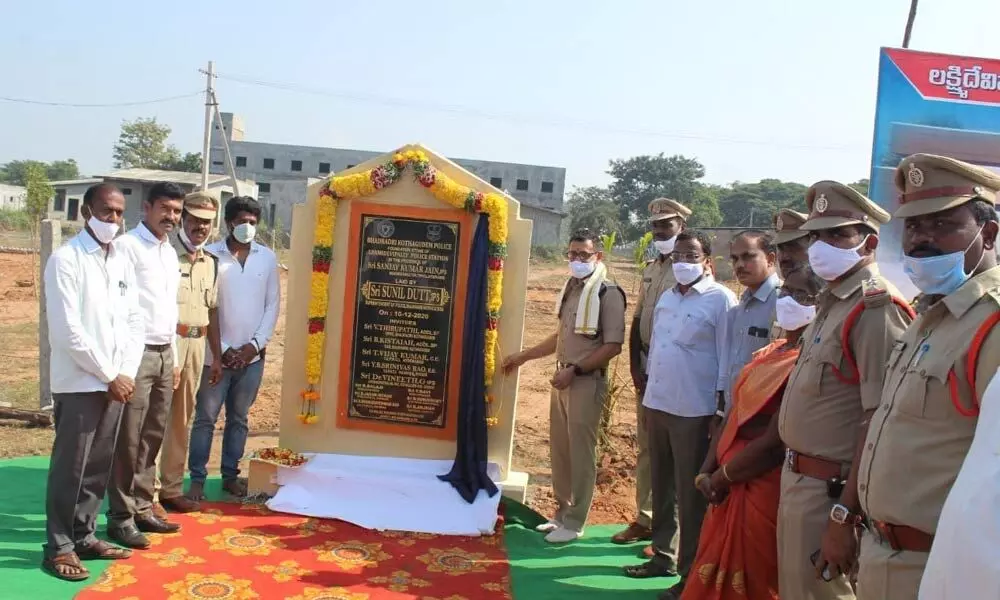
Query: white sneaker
[[563, 535], [550, 525]]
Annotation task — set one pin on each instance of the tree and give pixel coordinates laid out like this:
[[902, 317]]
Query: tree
[[16, 171], [861, 186], [37, 205], [593, 208], [753, 204], [143, 144], [641, 179], [704, 206]]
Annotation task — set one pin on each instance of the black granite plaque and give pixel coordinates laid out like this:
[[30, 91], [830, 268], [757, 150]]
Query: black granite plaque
[[402, 336]]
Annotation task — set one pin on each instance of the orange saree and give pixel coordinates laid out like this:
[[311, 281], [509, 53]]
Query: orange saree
[[737, 552]]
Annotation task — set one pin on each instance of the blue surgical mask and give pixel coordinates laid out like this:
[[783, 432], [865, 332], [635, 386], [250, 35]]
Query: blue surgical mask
[[939, 275]]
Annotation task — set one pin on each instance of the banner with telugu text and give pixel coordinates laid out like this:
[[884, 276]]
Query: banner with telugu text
[[932, 103]]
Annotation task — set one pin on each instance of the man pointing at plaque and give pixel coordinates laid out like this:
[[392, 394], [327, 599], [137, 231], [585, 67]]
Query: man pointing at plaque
[[591, 331]]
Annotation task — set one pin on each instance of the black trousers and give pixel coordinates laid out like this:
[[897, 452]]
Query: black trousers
[[86, 431]]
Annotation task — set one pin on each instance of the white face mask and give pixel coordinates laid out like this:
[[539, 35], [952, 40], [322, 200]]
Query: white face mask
[[665, 246], [830, 262], [792, 315], [184, 238], [244, 233], [104, 232], [688, 273], [582, 269]]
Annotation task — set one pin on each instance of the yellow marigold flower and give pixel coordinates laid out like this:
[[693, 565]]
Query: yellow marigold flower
[[318, 294]]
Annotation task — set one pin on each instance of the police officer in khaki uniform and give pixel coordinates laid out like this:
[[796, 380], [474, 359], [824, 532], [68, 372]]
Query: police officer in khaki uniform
[[793, 249], [832, 387], [591, 332], [792, 242], [666, 219], [198, 319], [920, 434]]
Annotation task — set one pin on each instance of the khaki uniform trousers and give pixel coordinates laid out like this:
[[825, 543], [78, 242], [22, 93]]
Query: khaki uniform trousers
[[173, 455], [803, 514], [574, 421], [643, 476], [886, 574]]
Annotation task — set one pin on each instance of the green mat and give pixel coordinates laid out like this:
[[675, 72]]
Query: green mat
[[590, 566]]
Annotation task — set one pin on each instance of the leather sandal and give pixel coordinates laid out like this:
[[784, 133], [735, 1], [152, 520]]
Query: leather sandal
[[101, 550], [56, 566]]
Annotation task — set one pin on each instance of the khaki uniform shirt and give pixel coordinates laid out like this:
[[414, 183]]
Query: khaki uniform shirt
[[198, 290], [572, 347], [657, 277], [917, 440], [820, 415]]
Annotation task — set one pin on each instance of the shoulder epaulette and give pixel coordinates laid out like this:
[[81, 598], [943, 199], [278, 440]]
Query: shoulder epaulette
[[875, 293]]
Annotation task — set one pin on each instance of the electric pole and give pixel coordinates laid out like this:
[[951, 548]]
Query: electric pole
[[209, 107]]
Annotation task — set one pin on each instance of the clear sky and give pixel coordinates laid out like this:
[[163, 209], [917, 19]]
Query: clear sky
[[753, 89]]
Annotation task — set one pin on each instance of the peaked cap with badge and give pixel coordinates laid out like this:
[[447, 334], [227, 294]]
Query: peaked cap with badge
[[832, 204], [929, 183], [201, 205], [665, 208], [787, 223]]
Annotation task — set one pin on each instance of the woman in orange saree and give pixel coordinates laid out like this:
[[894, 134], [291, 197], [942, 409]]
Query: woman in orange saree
[[737, 552]]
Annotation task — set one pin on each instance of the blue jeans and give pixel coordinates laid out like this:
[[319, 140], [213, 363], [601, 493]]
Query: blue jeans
[[237, 390]]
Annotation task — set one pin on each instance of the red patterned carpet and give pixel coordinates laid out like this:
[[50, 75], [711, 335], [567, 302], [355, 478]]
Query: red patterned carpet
[[235, 552]]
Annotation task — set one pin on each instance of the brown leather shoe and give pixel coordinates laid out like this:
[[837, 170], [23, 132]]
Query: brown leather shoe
[[159, 512], [633, 533], [180, 504]]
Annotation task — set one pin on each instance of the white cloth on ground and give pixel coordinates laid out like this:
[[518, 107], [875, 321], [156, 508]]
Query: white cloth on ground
[[402, 494]]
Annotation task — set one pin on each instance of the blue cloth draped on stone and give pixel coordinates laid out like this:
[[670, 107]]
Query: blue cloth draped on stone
[[468, 474]]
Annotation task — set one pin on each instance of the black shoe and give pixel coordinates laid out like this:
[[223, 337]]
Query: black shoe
[[128, 536], [152, 524]]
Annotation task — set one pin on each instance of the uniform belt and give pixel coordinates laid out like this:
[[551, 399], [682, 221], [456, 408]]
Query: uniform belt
[[600, 372], [157, 347], [901, 537], [811, 466], [190, 331]]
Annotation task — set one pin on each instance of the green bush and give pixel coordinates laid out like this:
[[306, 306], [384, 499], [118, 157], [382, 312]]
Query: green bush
[[15, 220], [550, 253]]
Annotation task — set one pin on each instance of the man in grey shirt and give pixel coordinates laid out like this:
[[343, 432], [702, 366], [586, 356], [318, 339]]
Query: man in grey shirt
[[754, 259]]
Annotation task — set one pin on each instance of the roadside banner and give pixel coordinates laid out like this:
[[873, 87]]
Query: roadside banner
[[932, 103]]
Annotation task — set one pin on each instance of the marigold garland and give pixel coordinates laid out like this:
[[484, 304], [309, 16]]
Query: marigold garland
[[359, 185]]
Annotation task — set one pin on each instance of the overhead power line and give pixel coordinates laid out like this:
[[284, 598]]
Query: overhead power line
[[99, 105], [511, 117]]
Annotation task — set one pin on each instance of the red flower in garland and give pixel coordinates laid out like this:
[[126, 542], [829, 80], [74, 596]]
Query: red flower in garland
[[426, 179], [495, 263], [491, 323], [380, 177], [478, 205], [317, 325], [321, 267]]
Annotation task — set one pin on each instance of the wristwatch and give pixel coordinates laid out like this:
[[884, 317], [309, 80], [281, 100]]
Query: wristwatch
[[578, 371], [841, 515]]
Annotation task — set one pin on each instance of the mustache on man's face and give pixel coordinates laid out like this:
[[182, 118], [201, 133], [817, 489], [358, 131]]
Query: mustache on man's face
[[925, 249]]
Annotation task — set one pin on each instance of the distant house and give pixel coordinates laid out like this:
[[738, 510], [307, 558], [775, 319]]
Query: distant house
[[135, 184], [12, 197]]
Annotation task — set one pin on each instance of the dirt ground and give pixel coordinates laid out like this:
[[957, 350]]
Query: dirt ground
[[614, 501]]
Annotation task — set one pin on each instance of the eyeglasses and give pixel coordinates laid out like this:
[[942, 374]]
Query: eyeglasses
[[803, 298], [583, 256], [688, 257]]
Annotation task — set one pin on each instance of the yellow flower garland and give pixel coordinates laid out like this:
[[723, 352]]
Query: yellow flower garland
[[360, 185]]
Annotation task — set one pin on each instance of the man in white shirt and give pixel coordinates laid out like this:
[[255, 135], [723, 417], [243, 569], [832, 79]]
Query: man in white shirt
[[96, 336], [249, 298], [157, 273], [687, 370]]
